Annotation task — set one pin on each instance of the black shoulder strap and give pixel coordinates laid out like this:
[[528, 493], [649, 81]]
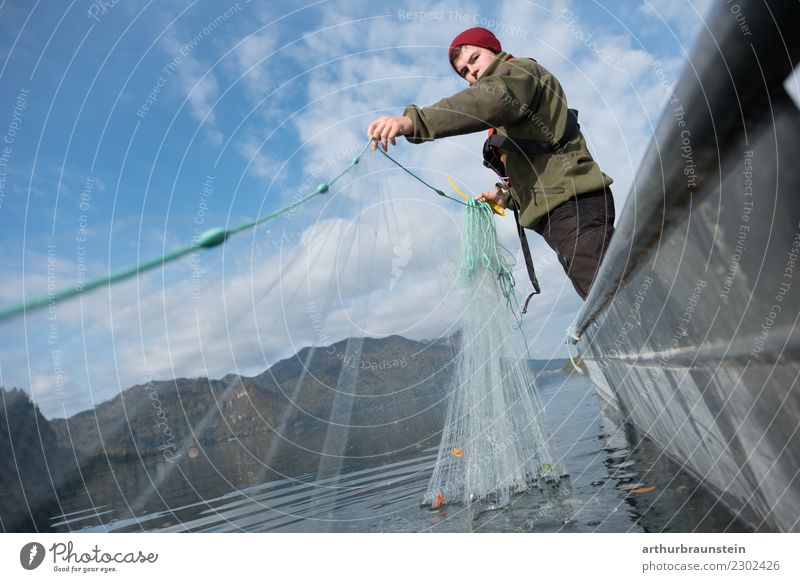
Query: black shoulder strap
[[532, 147], [526, 252]]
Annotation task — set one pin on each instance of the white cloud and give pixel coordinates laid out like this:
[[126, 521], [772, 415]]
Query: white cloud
[[201, 90], [252, 61], [607, 75], [259, 159], [195, 78], [244, 319], [683, 18], [265, 296]]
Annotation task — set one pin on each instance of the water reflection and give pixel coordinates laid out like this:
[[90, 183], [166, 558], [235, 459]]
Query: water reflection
[[615, 485]]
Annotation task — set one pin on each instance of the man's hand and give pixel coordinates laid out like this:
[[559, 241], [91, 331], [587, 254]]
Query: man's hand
[[491, 197], [387, 127]]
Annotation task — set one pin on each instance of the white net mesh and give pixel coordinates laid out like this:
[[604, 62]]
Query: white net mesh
[[495, 441]]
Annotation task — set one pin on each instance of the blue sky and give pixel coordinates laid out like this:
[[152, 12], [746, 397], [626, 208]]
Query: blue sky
[[132, 124]]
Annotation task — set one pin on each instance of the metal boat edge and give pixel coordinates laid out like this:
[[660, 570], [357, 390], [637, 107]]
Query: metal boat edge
[[689, 332]]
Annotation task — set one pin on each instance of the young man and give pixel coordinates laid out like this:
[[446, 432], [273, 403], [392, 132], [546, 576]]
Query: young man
[[549, 177]]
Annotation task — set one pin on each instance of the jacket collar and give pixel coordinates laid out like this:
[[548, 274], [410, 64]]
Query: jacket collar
[[500, 58]]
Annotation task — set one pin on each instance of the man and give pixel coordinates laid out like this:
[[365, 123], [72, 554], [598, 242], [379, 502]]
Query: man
[[549, 177]]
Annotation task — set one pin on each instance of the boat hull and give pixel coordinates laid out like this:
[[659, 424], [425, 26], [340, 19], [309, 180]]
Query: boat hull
[[691, 336]]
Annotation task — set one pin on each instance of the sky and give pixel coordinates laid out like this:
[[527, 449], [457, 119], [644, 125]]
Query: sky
[[129, 127]]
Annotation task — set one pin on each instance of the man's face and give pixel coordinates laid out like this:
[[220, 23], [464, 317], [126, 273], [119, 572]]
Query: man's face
[[472, 60]]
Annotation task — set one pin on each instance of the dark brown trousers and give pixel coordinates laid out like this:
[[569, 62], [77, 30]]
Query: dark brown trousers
[[579, 231]]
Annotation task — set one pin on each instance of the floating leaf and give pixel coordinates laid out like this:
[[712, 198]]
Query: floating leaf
[[644, 489], [439, 500]]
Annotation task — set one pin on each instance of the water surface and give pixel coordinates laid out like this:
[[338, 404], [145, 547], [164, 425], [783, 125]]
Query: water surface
[[613, 486]]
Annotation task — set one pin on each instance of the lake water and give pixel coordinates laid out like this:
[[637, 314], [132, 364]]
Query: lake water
[[613, 486]]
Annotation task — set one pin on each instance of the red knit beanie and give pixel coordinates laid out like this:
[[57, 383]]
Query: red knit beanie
[[477, 36]]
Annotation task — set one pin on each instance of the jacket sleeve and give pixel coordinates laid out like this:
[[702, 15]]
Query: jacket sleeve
[[493, 101]]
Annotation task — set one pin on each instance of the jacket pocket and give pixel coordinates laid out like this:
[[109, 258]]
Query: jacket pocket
[[537, 193]]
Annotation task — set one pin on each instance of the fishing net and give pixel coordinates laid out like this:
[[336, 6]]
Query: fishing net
[[495, 441]]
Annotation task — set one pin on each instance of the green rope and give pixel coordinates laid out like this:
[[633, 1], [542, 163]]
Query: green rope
[[480, 230], [412, 174], [479, 245], [321, 189], [209, 239], [480, 242]]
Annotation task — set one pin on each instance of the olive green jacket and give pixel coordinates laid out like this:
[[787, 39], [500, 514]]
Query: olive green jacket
[[523, 100]]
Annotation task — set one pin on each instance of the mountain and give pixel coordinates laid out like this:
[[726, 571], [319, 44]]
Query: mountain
[[360, 397], [32, 466], [395, 389]]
